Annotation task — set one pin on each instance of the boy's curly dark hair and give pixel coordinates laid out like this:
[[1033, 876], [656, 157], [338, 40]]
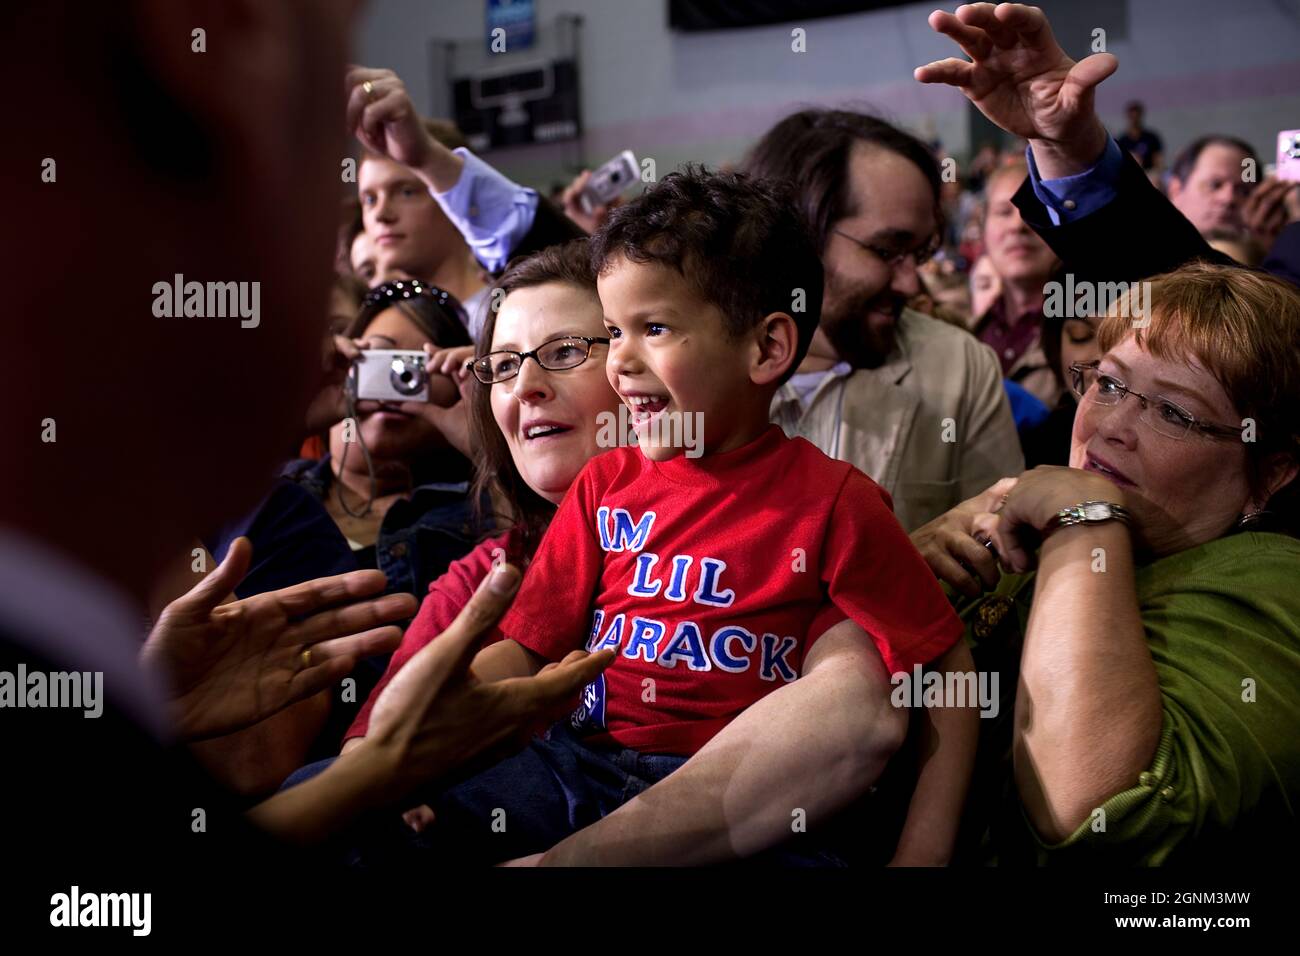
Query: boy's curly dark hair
[[738, 241]]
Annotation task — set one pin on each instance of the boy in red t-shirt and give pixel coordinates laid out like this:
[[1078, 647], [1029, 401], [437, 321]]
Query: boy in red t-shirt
[[704, 552]]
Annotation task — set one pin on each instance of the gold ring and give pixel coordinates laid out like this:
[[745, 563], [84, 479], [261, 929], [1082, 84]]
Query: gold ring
[[306, 658], [369, 88]]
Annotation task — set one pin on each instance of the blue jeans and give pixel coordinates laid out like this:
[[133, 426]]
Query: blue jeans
[[524, 804]]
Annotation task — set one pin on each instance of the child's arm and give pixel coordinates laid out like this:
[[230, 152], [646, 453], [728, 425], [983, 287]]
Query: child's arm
[[504, 659], [877, 577], [947, 740]]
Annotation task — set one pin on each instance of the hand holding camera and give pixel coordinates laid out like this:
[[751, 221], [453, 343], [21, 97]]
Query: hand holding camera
[[391, 375], [1266, 212], [374, 376], [427, 384], [331, 403], [451, 417], [429, 376], [589, 199]]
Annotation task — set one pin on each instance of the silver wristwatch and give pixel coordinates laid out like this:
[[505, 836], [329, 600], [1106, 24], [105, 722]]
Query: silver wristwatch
[[1087, 512]]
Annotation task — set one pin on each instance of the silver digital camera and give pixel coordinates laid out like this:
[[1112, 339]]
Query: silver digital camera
[[609, 182], [391, 375]]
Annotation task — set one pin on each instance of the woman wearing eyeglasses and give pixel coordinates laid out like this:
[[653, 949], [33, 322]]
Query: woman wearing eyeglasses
[[1149, 594]]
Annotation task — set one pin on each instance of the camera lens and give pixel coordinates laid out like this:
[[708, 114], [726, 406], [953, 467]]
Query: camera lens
[[407, 376]]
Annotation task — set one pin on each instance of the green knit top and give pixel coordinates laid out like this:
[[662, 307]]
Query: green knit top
[[1222, 623]]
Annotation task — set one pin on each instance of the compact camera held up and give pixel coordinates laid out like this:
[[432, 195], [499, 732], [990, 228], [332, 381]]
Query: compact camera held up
[[1288, 155], [391, 375], [609, 182]]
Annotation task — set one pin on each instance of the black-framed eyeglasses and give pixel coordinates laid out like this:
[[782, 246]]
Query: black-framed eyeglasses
[[1160, 414], [893, 258], [569, 351]]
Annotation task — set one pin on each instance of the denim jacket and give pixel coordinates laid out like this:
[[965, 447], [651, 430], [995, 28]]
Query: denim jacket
[[419, 536]]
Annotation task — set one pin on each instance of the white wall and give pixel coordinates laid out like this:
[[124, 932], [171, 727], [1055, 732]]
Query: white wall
[[1200, 65]]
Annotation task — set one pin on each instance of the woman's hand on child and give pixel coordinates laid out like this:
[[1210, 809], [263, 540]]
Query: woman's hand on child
[[435, 715]]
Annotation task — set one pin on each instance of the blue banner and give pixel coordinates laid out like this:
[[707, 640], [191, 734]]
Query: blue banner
[[511, 25]]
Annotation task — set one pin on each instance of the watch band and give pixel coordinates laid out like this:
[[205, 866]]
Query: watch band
[[1087, 512]]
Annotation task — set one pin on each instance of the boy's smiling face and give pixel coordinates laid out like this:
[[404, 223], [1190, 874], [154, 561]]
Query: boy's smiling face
[[669, 352]]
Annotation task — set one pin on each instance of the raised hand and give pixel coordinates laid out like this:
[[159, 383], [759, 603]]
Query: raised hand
[[230, 665], [1265, 212], [382, 117], [1020, 78], [570, 200]]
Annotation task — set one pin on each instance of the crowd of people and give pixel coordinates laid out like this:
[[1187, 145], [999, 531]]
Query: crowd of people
[[471, 628]]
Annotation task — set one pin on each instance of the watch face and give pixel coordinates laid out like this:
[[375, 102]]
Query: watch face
[[1096, 511]]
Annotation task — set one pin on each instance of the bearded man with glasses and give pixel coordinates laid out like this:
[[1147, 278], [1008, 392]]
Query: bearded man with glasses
[[914, 402]]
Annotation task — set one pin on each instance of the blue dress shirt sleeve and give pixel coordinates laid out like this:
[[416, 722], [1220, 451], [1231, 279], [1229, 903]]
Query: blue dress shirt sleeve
[[491, 211], [1073, 197]]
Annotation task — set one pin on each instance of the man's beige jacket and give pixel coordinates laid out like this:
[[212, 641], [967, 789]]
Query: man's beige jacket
[[932, 425]]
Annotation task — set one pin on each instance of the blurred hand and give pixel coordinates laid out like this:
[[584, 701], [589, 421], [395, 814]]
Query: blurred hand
[[1020, 78], [435, 715], [589, 221], [1267, 210], [230, 665], [385, 120], [952, 550]]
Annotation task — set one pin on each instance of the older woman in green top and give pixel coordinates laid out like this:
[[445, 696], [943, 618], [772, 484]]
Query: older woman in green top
[[1156, 670]]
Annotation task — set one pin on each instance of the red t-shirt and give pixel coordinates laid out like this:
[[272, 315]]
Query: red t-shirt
[[707, 575], [446, 597], [451, 592]]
